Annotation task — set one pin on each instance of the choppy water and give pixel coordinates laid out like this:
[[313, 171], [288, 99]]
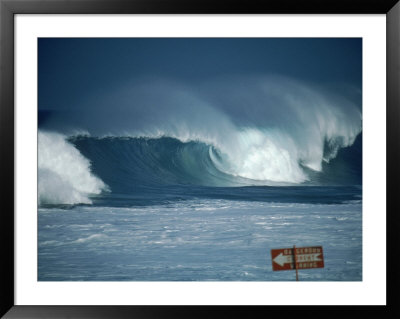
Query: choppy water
[[198, 240]]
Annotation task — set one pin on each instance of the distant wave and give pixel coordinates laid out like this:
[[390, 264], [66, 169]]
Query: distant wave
[[270, 132], [136, 164]]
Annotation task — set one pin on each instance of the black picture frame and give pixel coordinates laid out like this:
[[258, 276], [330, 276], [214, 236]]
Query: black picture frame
[[8, 8]]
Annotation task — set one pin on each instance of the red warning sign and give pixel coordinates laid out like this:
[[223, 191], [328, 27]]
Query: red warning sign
[[305, 257]]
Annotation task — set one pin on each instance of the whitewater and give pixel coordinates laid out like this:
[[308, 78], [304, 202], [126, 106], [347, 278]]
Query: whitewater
[[202, 186], [196, 240]]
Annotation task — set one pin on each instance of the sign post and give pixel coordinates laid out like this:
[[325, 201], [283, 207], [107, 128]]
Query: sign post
[[297, 258], [295, 262]]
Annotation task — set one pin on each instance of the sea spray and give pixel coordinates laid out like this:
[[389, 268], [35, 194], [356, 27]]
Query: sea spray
[[64, 175]]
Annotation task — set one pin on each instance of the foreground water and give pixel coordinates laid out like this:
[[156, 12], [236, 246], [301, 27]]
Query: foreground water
[[197, 240]]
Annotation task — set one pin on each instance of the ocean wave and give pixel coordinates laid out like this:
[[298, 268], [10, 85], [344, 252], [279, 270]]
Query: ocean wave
[[64, 175], [273, 132]]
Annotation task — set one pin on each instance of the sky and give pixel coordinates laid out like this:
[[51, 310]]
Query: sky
[[72, 71]]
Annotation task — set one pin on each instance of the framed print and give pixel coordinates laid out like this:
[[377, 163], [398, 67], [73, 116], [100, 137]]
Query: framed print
[[167, 154]]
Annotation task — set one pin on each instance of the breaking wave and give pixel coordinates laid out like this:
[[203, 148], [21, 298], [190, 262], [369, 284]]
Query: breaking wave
[[275, 132]]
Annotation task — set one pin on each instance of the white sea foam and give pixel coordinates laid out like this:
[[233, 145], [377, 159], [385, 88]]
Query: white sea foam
[[64, 175], [283, 126], [89, 238], [273, 154]]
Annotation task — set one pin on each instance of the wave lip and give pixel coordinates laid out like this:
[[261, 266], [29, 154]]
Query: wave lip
[[64, 174]]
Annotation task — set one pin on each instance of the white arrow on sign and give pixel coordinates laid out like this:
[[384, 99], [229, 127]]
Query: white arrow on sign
[[285, 259], [281, 259]]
